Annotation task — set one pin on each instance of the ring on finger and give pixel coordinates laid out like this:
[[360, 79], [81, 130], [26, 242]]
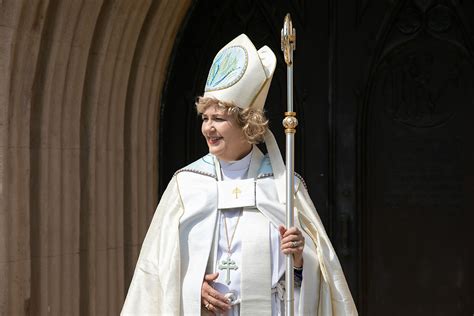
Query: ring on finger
[[294, 244], [206, 306]]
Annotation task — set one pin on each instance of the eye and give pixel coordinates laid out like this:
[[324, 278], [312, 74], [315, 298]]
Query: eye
[[220, 119]]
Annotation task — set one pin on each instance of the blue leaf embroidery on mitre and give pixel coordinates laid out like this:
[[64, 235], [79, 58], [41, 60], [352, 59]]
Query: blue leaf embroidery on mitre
[[227, 68]]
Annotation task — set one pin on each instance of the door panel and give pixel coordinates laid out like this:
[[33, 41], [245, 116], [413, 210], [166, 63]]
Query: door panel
[[417, 164]]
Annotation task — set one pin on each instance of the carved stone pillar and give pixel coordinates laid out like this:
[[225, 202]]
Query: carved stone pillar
[[80, 93]]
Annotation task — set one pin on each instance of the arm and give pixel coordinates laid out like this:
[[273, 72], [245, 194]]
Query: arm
[[155, 287]]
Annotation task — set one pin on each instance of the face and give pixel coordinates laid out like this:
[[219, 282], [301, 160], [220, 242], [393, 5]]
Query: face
[[223, 135]]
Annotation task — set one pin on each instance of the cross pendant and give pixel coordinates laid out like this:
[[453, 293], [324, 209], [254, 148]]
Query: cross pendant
[[228, 264]]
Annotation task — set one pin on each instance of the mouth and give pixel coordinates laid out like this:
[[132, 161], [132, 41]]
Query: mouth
[[213, 140]]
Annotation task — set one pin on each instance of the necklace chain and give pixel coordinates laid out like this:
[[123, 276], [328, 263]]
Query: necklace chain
[[229, 243]]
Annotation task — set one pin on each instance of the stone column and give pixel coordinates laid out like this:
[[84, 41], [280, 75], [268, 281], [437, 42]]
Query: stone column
[[80, 89]]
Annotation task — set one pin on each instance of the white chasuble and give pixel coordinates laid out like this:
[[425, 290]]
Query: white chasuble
[[196, 232], [176, 251]]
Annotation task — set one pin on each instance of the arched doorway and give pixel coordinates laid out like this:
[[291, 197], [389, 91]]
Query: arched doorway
[[210, 25], [345, 145]]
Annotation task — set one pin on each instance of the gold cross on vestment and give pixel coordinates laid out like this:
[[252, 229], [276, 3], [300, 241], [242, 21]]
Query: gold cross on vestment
[[236, 192]]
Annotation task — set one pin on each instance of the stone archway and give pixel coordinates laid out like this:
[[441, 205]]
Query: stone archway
[[80, 90]]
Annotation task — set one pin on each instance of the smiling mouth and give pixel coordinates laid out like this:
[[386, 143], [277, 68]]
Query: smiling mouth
[[213, 140]]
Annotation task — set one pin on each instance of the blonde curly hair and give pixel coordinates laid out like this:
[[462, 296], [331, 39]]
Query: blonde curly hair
[[253, 122]]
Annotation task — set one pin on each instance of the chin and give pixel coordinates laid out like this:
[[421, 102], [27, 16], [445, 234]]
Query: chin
[[216, 152], [221, 156]]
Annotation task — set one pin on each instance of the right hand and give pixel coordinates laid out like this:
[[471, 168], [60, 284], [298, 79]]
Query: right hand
[[215, 301]]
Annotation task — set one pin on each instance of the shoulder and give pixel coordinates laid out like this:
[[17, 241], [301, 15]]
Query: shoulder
[[266, 171], [203, 166]]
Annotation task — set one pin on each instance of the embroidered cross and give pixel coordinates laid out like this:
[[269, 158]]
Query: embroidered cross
[[236, 192], [228, 264]]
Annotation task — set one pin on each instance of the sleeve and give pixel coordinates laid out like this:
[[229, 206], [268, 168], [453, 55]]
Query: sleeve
[[155, 287]]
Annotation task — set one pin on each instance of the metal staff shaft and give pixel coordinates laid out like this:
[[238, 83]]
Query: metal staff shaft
[[288, 39]]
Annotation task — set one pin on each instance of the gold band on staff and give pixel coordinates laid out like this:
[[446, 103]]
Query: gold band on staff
[[290, 122]]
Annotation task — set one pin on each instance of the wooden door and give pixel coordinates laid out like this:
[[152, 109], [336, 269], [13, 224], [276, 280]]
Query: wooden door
[[384, 97], [415, 172]]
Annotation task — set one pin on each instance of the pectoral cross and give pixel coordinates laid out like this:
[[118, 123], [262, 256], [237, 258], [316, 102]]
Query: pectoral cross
[[228, 264], [236, 192]]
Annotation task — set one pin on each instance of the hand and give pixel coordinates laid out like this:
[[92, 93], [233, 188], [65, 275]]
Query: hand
[[292, 241], [212, 300]]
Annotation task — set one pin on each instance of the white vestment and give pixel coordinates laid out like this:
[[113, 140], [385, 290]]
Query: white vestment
[[176, 251], [230, 233]]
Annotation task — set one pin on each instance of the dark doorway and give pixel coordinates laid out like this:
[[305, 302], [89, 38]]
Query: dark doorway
[[384, 97]]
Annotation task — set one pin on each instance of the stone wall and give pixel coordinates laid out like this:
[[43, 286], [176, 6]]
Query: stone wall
[[80, 88]]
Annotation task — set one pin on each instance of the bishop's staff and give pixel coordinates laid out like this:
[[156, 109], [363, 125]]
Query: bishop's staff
[[288, 41]]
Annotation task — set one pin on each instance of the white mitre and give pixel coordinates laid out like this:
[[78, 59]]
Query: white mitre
[[241, 75]]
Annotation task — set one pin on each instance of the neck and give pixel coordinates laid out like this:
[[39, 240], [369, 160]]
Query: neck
[[237, 169], [238, 156]]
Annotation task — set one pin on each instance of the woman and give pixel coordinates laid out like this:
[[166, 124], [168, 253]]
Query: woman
[[230, 133], [216, 243]]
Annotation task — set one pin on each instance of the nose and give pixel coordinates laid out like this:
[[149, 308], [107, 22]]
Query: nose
[[209, 125]]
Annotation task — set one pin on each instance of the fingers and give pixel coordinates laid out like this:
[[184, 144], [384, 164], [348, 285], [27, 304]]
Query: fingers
[[282, 230], [211, 277], [216, 305], [211, 298], [291, 231], [287, 232], [290, 248], [292, 240], [292, 234]]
